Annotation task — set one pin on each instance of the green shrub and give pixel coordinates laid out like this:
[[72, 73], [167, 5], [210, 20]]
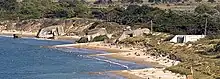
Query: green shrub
[[133, 40], [213, 36], [217, 57], [213, 42], [217, 78], [217, 47], [100, 38], [178, 69]]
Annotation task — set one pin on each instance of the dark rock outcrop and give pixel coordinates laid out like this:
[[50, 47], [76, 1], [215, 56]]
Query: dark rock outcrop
[[83, 40], [17, 36]]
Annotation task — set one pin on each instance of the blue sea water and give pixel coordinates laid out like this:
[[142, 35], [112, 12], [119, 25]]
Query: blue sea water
[[27, 59]]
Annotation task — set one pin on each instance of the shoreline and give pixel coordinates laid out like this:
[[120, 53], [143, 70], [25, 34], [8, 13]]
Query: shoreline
[[123, 53], [126, 74], [24, 34], [116, 52], [34, 34], [134, 55], [136, 60]]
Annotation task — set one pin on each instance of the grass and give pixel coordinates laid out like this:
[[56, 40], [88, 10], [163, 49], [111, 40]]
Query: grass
[[191, 54]]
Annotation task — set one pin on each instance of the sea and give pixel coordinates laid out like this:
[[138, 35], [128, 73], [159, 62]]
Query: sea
[[29, 58]]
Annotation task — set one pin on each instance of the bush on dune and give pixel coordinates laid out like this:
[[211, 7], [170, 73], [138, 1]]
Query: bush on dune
[[100, 38]]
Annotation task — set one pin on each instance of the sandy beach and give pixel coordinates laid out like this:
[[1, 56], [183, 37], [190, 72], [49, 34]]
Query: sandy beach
[[23, 33], [149, 73], [34, 34], [136, 55]]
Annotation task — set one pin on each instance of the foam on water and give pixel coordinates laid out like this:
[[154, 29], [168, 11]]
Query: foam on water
[[85, 52], [111, 62]]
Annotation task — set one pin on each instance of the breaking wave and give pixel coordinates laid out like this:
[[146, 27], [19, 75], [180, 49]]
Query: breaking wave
[[112, 62], [106, 60]]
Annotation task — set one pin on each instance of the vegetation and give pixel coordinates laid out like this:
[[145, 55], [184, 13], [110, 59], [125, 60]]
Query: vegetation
[[100, 38], [202, 56], [174, 22], [217, 7], [33, 9], [212, 1], [133, 40], [198, 0], [132, 1]]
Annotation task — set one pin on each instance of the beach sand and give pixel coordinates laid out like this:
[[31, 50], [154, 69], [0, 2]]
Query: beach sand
[[134, 59], [126, 74], [149, 73], [24, 34], [34, 34], [158, 64], [111, 50]]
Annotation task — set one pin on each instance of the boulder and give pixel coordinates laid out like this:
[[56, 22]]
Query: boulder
[[133, 33], [51, 31], [83, 40], [91, 34]]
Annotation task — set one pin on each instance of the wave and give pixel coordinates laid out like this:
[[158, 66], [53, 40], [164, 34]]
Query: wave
[[6, 36], [106, 60], [112, 62], [84, 53]]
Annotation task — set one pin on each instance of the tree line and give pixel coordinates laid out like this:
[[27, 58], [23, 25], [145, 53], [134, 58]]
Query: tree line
[[29, 9], [175, 22]]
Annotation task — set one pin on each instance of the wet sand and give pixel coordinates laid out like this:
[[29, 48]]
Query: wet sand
[[126, 75]]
